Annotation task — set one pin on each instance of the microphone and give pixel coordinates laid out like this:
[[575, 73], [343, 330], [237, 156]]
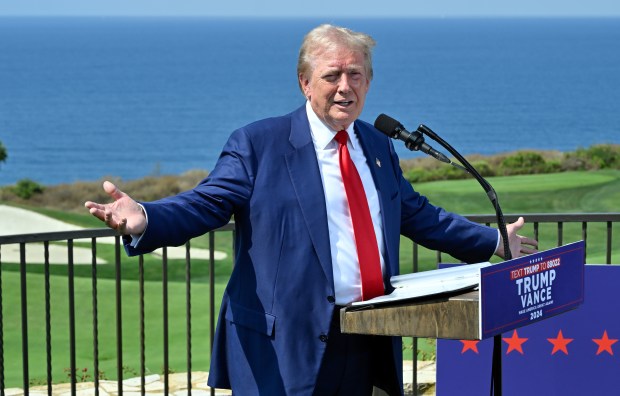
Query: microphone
[[414, 141]]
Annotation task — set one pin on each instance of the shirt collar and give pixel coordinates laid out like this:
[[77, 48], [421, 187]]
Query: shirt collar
[[322, 135]]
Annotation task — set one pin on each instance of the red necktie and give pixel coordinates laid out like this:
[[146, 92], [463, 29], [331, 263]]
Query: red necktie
[[365, 239]]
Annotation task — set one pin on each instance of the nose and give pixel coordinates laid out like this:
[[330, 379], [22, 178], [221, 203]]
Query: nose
[[343, 84]]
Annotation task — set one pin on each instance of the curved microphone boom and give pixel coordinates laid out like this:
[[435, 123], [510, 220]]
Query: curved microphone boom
[[394, 129]]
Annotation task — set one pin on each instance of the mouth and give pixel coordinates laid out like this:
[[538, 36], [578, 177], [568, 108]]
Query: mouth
[[343, 103]]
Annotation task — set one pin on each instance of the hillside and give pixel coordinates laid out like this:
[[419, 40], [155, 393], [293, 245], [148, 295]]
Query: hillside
[[544, 164]]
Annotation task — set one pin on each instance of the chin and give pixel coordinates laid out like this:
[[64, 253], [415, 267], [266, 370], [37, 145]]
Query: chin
[[344, 119]]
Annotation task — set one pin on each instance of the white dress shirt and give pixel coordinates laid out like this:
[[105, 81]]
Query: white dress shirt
[[345, 263]]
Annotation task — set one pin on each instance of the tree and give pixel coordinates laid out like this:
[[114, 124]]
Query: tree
[[2, 153]]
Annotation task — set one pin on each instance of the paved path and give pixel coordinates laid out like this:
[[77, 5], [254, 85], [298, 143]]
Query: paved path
[[15, 221], [21, 221], [177, 384]]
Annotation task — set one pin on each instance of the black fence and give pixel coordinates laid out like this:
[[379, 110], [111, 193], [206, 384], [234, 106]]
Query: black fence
[[602, 223]]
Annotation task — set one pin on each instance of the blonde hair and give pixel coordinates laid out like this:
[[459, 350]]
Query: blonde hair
[[329, 37]]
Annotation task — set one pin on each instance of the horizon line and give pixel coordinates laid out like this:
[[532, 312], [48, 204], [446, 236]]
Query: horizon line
[[395, 17]]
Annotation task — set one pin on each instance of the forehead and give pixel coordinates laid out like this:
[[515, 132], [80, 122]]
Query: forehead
[[338, 58]]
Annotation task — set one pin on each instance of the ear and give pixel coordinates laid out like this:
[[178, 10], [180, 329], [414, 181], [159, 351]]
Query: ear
[[304, 83]]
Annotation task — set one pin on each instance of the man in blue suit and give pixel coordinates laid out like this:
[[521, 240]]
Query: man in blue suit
[[296, 254]]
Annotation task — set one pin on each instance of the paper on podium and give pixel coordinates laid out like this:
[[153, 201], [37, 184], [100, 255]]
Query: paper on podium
[[428, 283]]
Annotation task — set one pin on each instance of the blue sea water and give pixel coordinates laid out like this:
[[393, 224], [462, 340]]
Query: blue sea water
[[84, 98]]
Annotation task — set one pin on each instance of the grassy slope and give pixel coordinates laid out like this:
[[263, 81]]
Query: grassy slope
[[547, 193], [566, 192], [575, 192]]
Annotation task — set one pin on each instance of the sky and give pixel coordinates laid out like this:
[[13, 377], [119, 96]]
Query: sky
[[316, 8]]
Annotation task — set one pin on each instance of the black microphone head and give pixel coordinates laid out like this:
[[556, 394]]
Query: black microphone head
[[388, 125]]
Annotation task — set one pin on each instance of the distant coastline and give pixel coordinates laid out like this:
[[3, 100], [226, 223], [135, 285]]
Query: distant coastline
[[70, 196]]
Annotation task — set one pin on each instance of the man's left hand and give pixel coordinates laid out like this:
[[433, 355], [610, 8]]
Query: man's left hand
[[519, 245]]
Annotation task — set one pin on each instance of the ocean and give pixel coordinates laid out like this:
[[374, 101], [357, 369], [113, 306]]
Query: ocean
[[86, 98]]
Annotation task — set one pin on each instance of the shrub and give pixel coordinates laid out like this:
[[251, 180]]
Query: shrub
[[484, 168], [553, 166], [449, 172], [602, 156], [71, 196], [523, 162], [26, 188], [572, 163], [415, 175]]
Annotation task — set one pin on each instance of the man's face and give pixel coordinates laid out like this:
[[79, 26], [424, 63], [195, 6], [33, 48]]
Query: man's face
[[337, 86]]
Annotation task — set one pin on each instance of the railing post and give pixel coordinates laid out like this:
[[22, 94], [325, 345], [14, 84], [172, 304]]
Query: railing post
[[414, 340], [212, 294], [95, 314], [416, 258], [188, 315], [70, 281], [142, 326], [165, 310], [48, 317], [119, 315], [1, 332], [609, 230], [24, 306]]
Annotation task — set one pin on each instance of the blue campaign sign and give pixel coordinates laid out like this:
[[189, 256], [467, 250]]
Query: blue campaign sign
[[572, 354], [531, 288]]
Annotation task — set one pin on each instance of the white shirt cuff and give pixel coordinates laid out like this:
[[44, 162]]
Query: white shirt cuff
[[136, 238]]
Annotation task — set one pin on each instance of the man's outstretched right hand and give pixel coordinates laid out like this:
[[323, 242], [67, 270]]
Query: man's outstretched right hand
[[124, 214]]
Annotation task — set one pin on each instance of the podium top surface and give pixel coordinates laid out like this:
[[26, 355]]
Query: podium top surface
[[453, 316]]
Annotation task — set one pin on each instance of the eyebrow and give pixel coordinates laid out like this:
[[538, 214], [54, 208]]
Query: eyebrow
[[349, 68]]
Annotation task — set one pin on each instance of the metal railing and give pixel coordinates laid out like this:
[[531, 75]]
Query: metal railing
[[95, 235]]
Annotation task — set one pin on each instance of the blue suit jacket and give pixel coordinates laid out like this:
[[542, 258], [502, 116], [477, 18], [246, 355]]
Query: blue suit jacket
[[278, 301]]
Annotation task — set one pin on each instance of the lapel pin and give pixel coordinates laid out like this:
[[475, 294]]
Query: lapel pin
[[378, 162]]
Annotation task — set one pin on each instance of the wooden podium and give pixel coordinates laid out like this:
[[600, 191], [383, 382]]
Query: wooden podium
[[510, 295], [453, 317]]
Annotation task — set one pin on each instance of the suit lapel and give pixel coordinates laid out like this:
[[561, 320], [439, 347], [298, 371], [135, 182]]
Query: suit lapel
[[306, 178]]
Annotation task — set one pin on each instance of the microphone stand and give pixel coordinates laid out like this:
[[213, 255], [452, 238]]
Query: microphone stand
[[496, 371]]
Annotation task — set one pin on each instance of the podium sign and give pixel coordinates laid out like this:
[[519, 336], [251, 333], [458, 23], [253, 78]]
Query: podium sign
[[575, 353], [528, 289], [511, 294]]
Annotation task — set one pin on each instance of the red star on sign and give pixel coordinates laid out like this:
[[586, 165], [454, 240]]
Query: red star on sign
[[604, 344], [560, 343], [469, 345], [515, 343]]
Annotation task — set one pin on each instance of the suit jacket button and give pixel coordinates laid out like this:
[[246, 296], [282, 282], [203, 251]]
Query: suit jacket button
[[331, 299], [323, 338]]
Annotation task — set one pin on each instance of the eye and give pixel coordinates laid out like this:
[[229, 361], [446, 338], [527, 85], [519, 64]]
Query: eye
[[355, 75], [331, 77]]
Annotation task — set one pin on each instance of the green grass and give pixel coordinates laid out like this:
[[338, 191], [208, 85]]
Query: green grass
[[574, 192], [564, 192], [106, 295], [107, 329], [549, 193]]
